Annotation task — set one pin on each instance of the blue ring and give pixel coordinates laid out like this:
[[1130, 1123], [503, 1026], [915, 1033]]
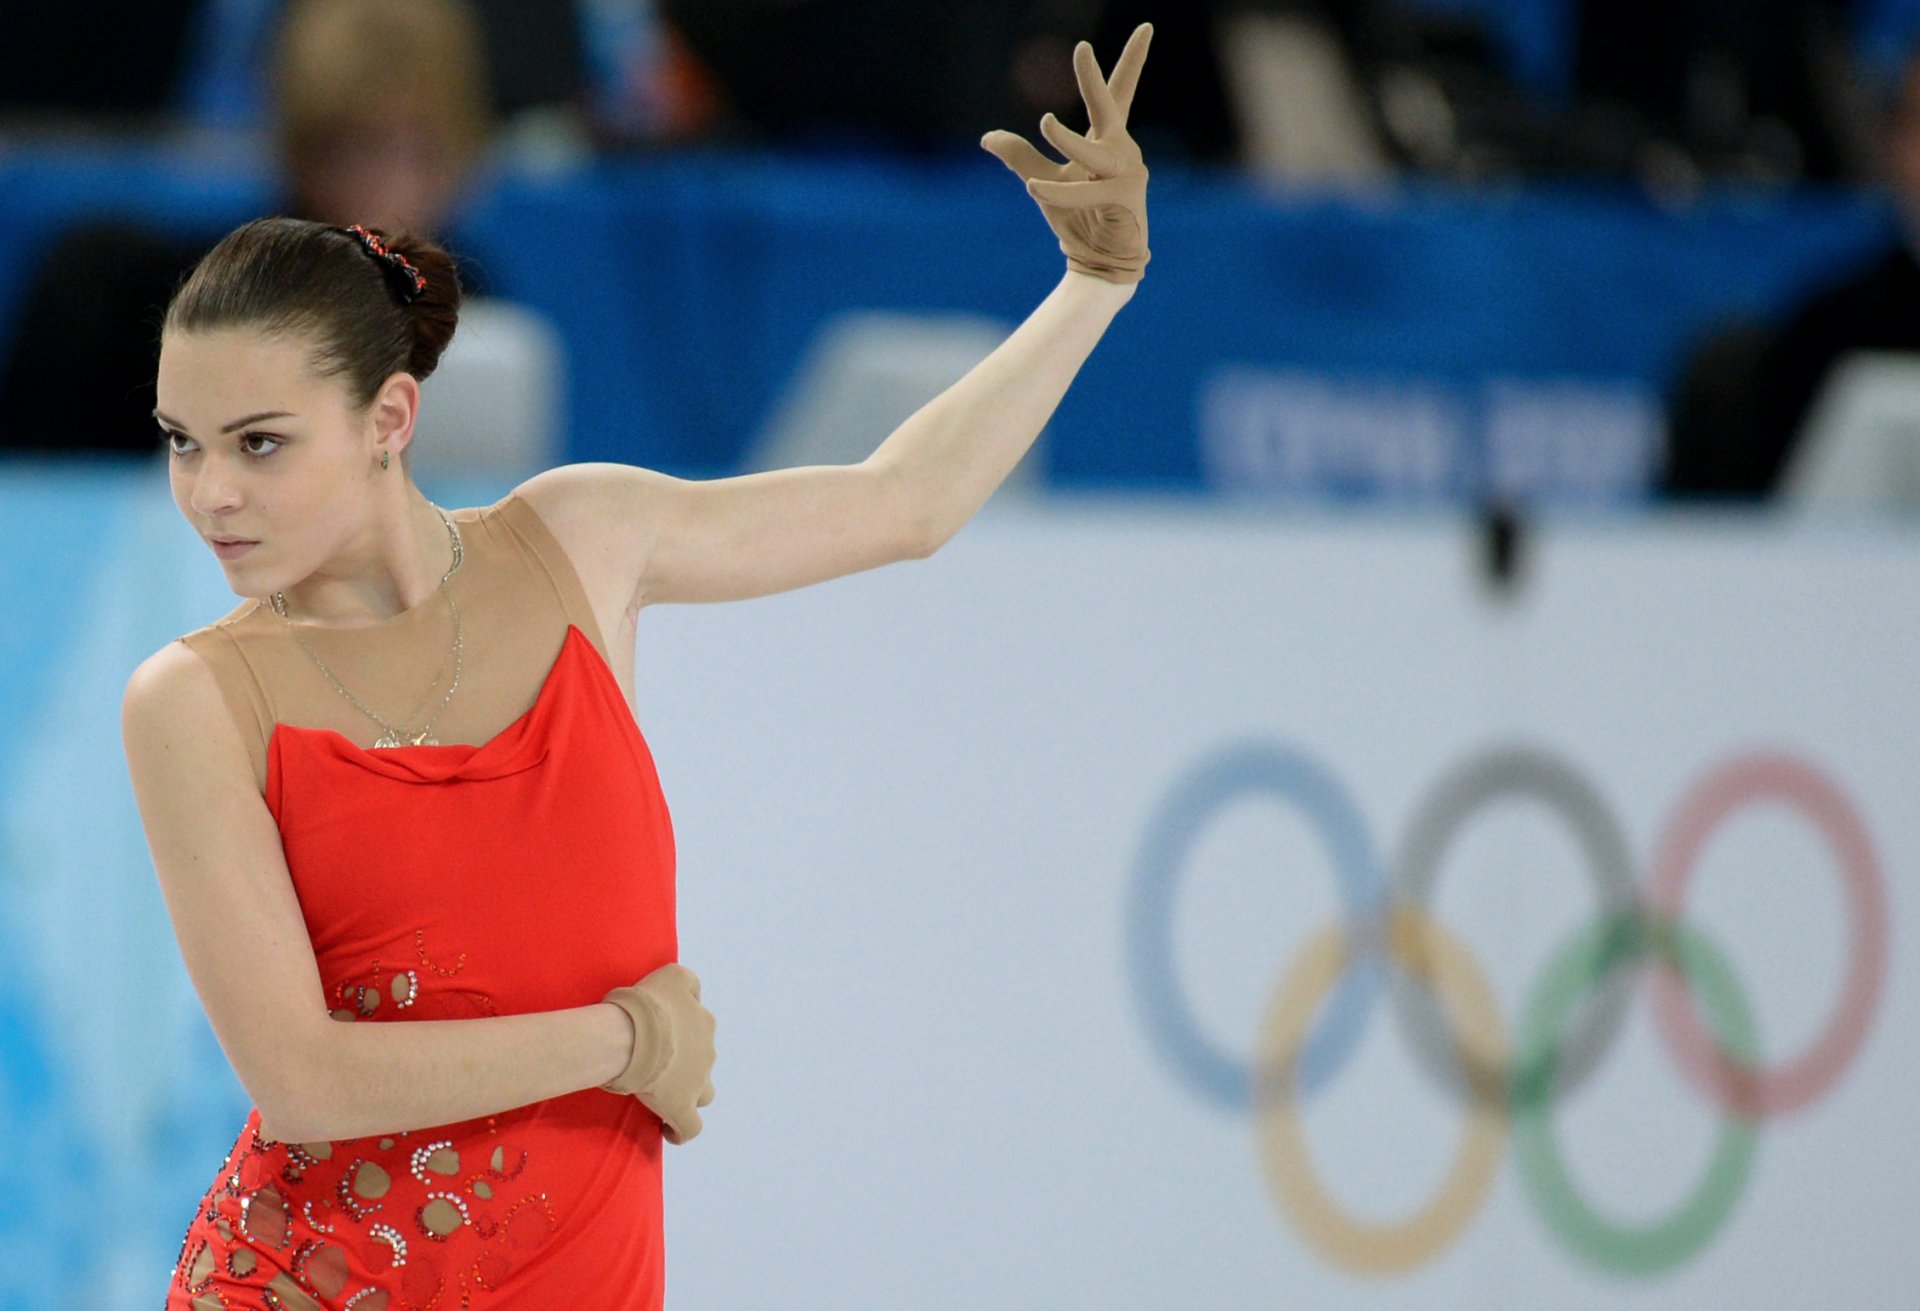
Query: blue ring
[[1232, 771]]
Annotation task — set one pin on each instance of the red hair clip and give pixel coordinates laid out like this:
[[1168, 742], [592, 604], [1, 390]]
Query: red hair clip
[[409, 281]]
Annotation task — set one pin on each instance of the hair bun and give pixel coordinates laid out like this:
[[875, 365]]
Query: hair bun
[[434, 308]]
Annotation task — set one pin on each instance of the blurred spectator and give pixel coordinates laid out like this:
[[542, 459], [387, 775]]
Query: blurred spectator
[[380, 112], [380, 109], [1746, 393], [562, 77]]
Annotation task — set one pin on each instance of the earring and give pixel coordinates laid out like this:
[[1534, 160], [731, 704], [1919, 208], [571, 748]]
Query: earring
[[384, 457]]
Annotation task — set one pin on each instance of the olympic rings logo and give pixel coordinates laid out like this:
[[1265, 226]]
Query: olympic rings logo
[[1391, 946]]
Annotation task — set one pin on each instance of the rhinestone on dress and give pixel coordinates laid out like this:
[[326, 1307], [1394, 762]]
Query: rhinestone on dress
[[386, 1233], [422, 1160]]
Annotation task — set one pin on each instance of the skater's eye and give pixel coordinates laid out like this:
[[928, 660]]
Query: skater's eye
[[167, 437]]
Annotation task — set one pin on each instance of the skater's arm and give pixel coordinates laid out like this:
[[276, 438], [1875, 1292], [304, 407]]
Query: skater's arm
[[658, 538], [224, 878], [675, 540]]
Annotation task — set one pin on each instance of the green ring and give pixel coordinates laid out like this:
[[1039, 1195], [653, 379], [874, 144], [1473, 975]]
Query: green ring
[[1623, 1249]]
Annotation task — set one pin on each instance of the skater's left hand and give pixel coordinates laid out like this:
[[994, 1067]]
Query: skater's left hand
[[1096, 202]]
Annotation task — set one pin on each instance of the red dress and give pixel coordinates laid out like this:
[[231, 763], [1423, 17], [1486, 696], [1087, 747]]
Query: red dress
[[532, 872]]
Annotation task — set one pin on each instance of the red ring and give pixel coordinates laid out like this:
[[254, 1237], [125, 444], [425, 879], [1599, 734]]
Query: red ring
[[1788, 1085]]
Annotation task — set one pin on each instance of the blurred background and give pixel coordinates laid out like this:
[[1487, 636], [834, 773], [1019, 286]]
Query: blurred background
[[1498, 501]]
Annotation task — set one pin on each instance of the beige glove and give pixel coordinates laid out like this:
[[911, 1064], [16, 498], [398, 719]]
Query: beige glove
[[672, 1062], [1097, 201]]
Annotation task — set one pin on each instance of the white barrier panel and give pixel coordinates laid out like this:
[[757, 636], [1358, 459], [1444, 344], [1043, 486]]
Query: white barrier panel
[[996, 866], [1056, 897]]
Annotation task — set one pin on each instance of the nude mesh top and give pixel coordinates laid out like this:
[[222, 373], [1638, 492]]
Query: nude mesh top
[[516, 590]]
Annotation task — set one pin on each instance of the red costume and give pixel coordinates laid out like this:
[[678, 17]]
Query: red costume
[[529, 873]]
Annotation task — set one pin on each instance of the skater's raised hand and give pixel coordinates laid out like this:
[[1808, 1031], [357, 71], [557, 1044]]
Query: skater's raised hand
[[1096, 202]]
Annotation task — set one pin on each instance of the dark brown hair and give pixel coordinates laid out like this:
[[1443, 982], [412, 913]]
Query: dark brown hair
[[297, 278]]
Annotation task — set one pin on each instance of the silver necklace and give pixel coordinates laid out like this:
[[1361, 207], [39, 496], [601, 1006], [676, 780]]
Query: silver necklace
[[394, 736]]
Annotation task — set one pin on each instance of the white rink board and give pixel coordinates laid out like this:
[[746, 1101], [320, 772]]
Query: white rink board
[[910, 806]]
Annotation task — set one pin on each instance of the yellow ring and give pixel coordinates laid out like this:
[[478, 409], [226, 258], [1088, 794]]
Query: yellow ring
[[1419, 946]]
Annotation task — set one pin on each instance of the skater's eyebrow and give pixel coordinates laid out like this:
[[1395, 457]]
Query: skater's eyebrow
[[235, 426]]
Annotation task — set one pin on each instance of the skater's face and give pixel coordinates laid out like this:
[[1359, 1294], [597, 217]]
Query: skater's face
[[262, 446]]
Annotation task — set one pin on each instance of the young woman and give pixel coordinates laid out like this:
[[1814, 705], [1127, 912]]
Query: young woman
[[406, 776]]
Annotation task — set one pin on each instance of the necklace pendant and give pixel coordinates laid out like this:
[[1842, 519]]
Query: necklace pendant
[[395, 738]]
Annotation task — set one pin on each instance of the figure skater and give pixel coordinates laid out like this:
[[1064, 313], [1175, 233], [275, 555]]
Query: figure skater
[[341, 804]]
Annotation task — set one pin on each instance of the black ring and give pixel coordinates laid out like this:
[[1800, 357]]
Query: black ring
[[1522, 772]]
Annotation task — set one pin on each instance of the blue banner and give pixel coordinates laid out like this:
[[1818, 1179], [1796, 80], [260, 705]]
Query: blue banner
[[1422, 343]]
